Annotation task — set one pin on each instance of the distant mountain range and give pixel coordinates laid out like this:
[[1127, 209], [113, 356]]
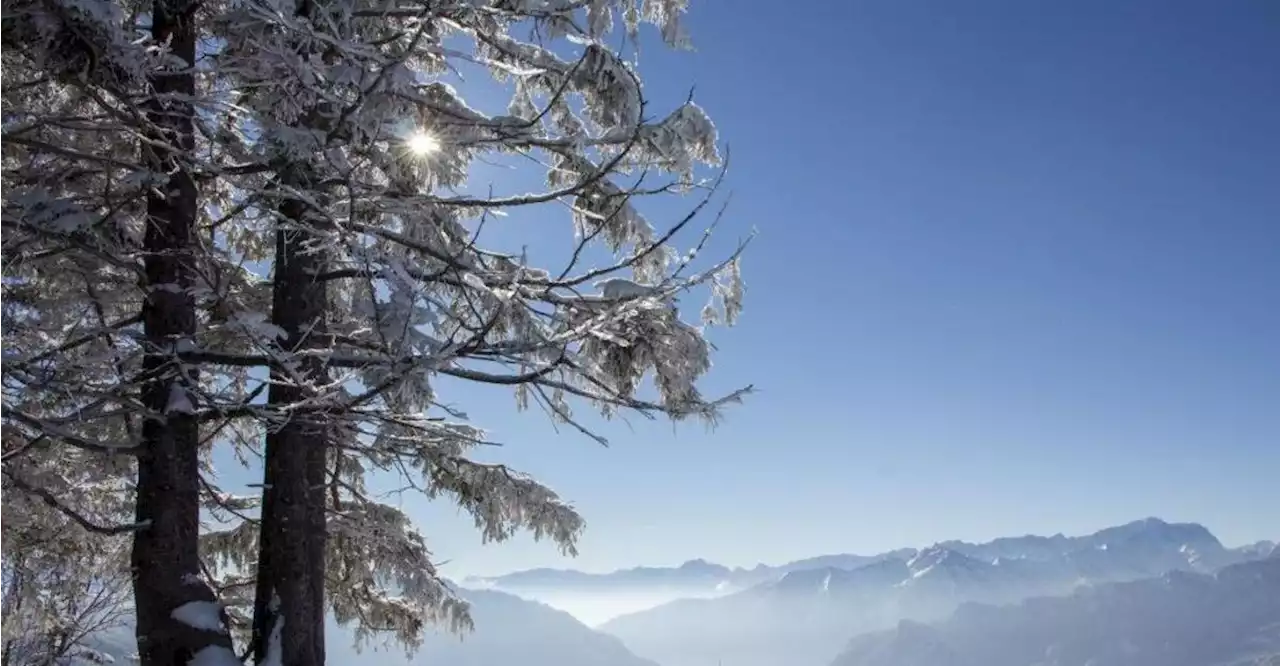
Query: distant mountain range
[[1179, 619], [806, 616], [598, 597], [694, 575], [705, 578], [509, 630], [1145, 593]]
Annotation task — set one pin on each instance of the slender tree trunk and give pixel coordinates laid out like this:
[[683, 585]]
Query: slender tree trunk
[[165, 556], [289, 604]]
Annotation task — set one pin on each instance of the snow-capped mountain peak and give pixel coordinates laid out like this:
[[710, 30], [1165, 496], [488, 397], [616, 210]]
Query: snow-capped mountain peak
[[936, 558], [807, 580]]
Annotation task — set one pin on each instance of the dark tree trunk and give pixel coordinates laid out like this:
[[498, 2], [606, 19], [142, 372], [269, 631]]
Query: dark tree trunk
[[289, 605], [165, 557]]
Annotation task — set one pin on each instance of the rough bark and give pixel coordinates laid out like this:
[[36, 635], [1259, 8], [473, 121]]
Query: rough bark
[[165, 554], [291, 556]]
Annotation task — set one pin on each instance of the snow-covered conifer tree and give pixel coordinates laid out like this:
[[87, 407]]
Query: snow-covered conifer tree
[[102, 250], [345, 271]]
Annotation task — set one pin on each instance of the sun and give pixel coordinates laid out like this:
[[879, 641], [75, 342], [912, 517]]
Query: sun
[[423, 143]]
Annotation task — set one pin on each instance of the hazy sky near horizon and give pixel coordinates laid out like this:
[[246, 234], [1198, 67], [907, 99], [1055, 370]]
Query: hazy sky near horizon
[[1017, 271]]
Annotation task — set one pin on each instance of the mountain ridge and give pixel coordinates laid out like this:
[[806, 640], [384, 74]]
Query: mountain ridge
[[804, 618], [547, 576], [1178, 619]]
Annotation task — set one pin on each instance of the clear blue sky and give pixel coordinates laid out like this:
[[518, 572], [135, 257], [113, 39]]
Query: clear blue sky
[[1018, 270]]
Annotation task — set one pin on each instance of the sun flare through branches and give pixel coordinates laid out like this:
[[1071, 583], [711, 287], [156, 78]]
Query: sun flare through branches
[[422, 144]]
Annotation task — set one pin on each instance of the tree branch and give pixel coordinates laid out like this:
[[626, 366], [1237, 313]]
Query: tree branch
[[51, 500]]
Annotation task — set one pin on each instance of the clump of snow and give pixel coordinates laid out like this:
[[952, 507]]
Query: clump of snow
[[214, 655], [275, 656], [620, 288], [258, 325], [204, 615], [93, 656], [179, 400]]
